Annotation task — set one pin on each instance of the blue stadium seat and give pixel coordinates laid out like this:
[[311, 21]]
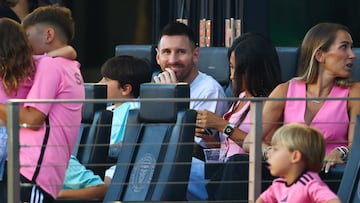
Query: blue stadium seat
[[96, 143], [92, 91], [288, 58], [356, 65], [214, 61], [349, 190], [144, 51], [155, 157]]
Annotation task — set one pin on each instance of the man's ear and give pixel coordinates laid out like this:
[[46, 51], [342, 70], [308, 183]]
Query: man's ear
[[296, 156], [196, 55], [50, 35], [127, 90], [157, 55]]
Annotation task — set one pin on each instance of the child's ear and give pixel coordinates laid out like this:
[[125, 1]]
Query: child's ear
[[127, 90], [50, 35], [296, 156]]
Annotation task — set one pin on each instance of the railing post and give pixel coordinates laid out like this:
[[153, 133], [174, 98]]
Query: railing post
[[255, 152], [13, 167]]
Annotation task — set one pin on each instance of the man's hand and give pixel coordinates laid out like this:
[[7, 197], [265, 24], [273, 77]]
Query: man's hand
[[166, 77]]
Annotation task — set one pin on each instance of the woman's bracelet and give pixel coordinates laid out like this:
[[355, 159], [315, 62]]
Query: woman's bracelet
[[344, 151]]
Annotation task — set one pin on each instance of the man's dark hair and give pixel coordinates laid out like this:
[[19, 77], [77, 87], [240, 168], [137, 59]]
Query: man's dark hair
[[57, 16], [127, 70], [177, 28]]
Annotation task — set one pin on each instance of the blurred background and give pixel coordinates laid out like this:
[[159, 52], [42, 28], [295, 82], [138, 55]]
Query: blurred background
[[101, 25]]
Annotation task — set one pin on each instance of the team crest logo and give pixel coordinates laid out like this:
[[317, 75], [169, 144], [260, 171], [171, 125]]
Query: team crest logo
[[142, 173]]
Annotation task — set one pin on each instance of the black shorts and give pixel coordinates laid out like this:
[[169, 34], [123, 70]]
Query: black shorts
[[29, 192], [33, 193]]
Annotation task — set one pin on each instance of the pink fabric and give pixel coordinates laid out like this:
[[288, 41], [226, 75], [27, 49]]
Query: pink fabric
[[21, 93], [308, 188], [332, 119], [226, 143], [55, 78]]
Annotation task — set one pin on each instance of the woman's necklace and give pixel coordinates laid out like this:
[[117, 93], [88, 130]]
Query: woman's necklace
[[316, 101]]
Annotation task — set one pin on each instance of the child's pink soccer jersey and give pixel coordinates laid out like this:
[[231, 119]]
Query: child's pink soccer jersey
[[307, 188], [19, 94], [55, 78]]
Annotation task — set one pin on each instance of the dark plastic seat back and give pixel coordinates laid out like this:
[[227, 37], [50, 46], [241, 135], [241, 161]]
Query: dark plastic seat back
[[349, 189], [356, 65], [214, 62], [96, 145], [143, 51], [92, 91], [288, 58], [155, 157]]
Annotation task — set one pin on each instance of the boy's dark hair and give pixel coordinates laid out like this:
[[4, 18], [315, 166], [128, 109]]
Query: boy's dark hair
[[57, 16], [127, 70], [177, 28]]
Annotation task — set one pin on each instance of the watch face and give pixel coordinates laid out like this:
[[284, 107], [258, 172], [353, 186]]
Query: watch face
[[228, 130]]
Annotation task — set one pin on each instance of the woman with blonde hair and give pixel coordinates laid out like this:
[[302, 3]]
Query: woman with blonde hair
[[326, 62]]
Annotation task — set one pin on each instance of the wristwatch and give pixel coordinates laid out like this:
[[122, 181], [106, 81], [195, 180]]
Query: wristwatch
[[229, 129]]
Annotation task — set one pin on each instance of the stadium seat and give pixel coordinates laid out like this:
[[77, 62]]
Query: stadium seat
[[214, 61], [349, 189], [288, 58], [92, 91], [96, 144], [356, 65], [144, 51], [155, 157]]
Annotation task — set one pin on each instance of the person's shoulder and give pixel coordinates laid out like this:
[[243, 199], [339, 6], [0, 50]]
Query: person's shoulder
[[310, 176], [55, 62], [208, 80], [355, 89], [293, 81], [356, 83], [43, 59], [280, 90]]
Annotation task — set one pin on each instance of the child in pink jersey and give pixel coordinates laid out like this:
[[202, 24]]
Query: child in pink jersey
[[48, 29], [17, 76], [296, 156]]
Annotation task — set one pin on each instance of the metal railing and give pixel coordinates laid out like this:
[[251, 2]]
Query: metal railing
[[255, 155]]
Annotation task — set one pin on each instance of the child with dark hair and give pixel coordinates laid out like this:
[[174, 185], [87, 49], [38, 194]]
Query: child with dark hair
[[123, 76]]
